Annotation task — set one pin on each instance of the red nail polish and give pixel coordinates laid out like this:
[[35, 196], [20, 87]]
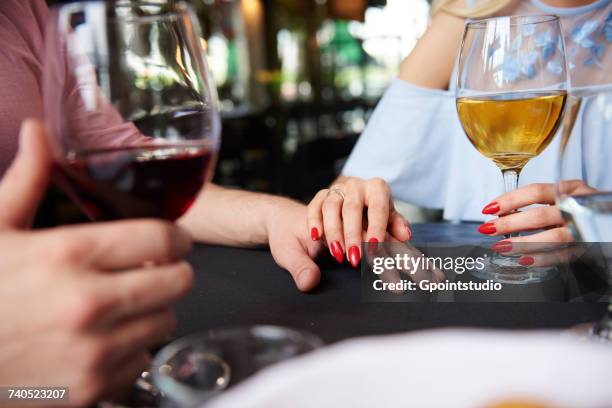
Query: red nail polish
[[354, 255], [314, 234], [336, 251], [526, 260], [409, 232], [488, 228], [502, 246], [491, 208], [372, 245]]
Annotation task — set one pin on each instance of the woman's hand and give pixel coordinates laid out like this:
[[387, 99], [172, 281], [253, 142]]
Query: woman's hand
[[546, 217], [353, 211]]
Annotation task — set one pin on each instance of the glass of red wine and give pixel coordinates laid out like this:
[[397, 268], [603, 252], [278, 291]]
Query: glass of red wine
[[131, 107]]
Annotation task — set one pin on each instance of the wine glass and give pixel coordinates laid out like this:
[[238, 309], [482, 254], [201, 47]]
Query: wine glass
[[131, 107], [584, 188], [194, 369], [511, 94]]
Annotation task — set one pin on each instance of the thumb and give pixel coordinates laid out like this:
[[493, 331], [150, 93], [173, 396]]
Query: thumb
[[25, 181], [292, 256]]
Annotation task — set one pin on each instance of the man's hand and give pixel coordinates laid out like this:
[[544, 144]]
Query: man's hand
[[77, 307], [287, 231], [238, 218]]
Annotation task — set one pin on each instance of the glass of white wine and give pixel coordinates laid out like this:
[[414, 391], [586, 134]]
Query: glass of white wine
[[511, 93], [584, 188]]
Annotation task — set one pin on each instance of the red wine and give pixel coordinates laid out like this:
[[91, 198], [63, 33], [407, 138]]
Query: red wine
[[135, 182]]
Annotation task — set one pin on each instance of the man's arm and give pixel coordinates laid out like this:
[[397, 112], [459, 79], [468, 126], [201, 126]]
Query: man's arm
[[244, 219], [232, 217]]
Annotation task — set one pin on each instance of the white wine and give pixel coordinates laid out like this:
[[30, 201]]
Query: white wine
[[511, 128]]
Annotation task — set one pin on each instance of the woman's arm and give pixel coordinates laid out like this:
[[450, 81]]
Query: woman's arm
[[340, 219], [431, 62]]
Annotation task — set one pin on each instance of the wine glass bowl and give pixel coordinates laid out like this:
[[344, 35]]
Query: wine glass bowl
[[511, 88], [131, 107]]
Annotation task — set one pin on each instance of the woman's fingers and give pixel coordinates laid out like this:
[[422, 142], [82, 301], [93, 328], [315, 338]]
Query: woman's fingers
[[332, 223], [551, 258], [536, 218], [315, 217], [544, 241], [352, 217], [547, 248], [378, 199], [539, 193], [338, 215], [399, 228]]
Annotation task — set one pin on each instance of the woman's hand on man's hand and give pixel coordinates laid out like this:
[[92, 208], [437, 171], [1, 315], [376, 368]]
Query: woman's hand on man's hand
[[353, 211]]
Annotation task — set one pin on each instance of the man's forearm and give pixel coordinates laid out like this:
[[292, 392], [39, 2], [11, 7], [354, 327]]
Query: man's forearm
[[231, 217]]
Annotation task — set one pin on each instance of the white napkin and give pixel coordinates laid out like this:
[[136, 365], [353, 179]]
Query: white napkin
[[442, 368]]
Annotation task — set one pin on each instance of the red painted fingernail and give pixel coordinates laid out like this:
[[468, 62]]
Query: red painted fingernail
[[488, 228], [502, 246], [372, 245], [314, 234], [491, 208], [336, 251], [526, 260], [354, 255], [409, 232]]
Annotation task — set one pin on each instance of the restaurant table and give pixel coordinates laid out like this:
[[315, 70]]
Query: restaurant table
[[235, 287]]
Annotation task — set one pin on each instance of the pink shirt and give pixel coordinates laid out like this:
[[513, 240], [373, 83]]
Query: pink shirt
[[21, 45]]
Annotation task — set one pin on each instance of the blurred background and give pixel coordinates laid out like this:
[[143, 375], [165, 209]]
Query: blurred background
[[297, 81]]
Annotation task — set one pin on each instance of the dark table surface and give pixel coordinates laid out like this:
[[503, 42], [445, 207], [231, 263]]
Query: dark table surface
[[245, 287]]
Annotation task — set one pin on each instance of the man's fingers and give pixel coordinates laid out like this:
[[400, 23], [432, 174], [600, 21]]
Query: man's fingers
[[125, 374], [539, 193], [127, 294], [120, 244], [315, 217], [292, 256], [26, 180], [141, 333]]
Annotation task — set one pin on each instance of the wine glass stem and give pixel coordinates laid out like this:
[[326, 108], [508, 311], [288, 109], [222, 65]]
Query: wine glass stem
[[511, 178]]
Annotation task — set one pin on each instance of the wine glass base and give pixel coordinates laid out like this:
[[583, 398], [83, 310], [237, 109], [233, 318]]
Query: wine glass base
[[505, 269], [599, 332], [602, 331]]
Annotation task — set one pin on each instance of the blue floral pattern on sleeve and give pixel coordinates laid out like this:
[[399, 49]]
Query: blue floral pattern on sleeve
[[587, 35]]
